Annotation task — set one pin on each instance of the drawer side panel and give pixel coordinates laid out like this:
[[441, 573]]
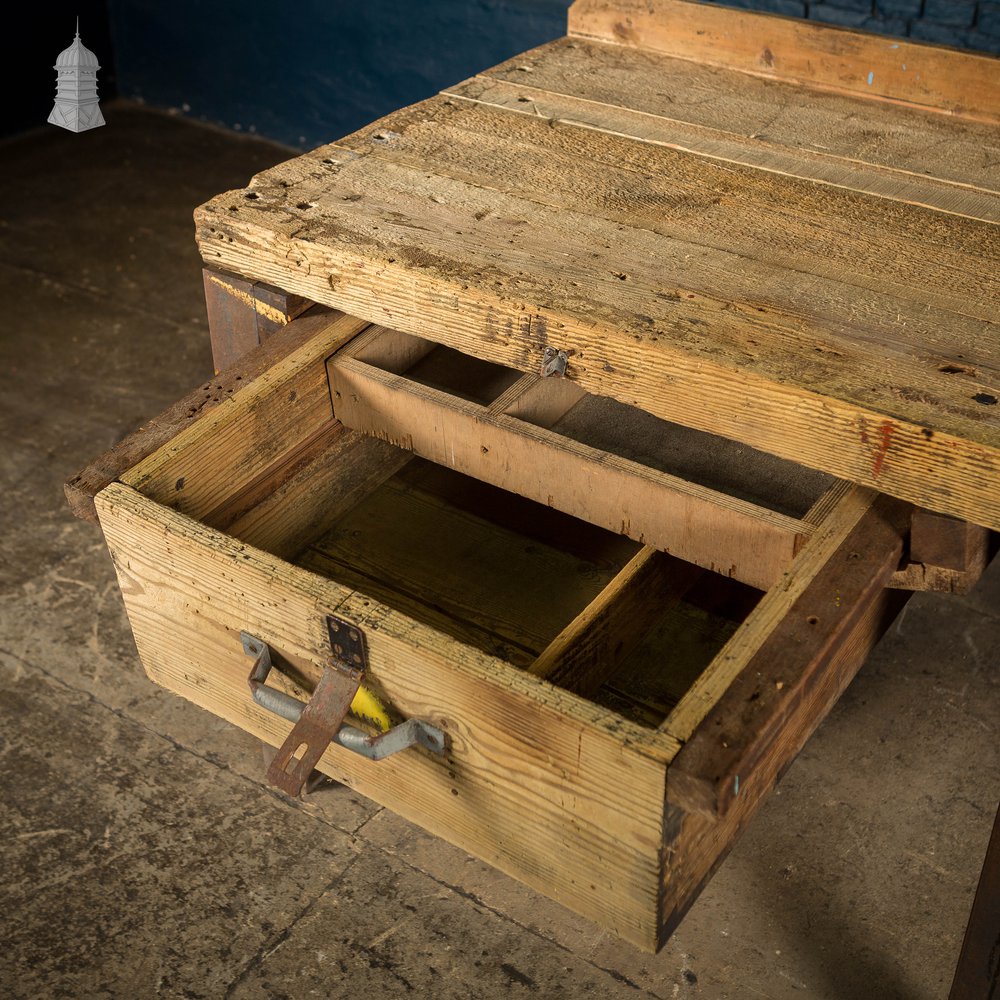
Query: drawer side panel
[[743, 746]]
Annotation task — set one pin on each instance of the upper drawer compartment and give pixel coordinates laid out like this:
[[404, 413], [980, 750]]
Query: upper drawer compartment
[[715, 503], [609, 618]]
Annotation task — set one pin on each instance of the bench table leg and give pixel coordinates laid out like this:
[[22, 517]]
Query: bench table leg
[[978, 974], [243, 314]]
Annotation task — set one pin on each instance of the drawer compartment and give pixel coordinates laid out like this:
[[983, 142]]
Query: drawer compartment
[[623, 631]]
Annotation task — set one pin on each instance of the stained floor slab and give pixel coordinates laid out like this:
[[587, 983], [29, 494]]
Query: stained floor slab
[[143, 855]]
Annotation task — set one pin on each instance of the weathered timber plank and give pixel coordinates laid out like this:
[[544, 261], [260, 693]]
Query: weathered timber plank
[[585, 654], [753, 636], [946, 554], [812, 55], [697, 841], [868, 394], [408, 541], [243, 314], [86, 484], [710, 529], [286, 510], [768, 230], [716, 463], [721, 760], [750, 150], [204, 466], [762, 117], [525, 761]]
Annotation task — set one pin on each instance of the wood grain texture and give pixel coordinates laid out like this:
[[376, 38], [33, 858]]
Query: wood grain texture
[[769, 124], [158, 432], [250, 433], [536, 781], [759, 150], [698, 841], [243, 314], [702, 526], [814, 55], [288, 509], [585, 654], [232, 319], [752, 229], [405, 543], [722, 759], [850, 333], [752, 638]]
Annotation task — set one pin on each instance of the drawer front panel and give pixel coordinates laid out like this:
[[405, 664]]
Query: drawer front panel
[[535, 781]]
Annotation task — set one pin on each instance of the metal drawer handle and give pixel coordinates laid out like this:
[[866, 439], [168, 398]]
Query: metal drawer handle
[[319, 722]]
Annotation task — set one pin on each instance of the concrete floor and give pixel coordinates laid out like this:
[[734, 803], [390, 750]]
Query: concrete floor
[[142, 854]]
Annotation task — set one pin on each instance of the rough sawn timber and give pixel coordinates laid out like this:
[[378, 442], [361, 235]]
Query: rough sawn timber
[[722, 759], [522, 755], [888, 388], [758, 250], [702, 526], [814, 55], [900, 153], [81, 488]]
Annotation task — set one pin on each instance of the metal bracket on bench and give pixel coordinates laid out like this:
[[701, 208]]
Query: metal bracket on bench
[[554, 362], [320, 721]]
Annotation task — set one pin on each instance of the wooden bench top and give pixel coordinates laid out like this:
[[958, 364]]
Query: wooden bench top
[[779, 232]]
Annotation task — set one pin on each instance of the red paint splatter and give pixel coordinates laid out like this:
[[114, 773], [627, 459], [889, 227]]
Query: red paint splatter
[[883, 448]]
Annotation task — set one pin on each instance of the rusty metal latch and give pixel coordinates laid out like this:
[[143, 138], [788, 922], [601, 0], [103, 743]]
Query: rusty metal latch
[[554, 363], [320, 721]]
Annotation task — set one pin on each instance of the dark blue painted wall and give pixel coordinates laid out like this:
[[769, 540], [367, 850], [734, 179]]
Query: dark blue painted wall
[[314, 71], [308, 73], [965, 24]]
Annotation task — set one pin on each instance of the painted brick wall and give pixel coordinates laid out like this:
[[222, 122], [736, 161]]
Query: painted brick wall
[[313, 71], [308, 73], [965, 24]]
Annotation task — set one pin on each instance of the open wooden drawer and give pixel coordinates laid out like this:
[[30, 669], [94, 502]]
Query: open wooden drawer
[[623, 629]]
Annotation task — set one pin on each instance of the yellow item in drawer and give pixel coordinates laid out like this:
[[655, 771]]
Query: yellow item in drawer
[[368, 708]]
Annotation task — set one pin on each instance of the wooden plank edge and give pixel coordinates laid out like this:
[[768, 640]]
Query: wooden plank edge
[[476, 441], [700, 839], [898, 455], [769, 614], [242, 314], [249, 431], [723, 754], [819, 56], [586, 652], [81, 488]]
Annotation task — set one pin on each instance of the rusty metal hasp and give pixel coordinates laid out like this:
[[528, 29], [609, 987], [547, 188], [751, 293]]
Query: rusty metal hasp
[[320, 721]]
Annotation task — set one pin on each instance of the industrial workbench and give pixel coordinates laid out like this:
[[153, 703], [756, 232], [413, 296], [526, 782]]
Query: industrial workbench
[[690, 318]]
